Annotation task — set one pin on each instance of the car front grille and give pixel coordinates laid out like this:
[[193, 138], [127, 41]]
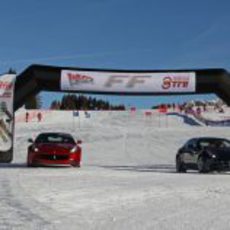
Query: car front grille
[[221, 165], [53, 157]]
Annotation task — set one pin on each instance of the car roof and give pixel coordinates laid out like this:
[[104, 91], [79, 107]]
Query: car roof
[[207, 138], [56, 133]]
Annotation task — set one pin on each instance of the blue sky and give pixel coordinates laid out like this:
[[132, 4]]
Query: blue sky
[[118, 34]]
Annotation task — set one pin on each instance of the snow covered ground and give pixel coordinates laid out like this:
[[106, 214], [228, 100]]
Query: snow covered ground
[[127, 179], [217, 116]]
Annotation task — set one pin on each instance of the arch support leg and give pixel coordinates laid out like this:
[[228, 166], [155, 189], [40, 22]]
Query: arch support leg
[[6, 117]]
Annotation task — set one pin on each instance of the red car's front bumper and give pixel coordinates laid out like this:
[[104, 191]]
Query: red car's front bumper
[[39, 159]]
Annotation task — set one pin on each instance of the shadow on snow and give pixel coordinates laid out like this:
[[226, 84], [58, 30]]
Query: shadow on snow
[[160, 168]]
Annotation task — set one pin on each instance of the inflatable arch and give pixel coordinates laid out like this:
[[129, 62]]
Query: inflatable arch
[[14, 90]]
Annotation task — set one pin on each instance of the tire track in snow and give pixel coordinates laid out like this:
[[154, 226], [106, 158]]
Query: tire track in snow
[[15, 214]]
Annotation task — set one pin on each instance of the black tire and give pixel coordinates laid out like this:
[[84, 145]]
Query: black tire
[[180, 165], [30, 164], [203, 164], [76, 164]]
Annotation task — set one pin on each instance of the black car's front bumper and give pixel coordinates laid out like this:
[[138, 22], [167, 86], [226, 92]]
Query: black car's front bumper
[[220, 165]]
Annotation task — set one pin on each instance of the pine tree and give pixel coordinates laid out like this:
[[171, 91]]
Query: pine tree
[[81, 102], [11, 71]]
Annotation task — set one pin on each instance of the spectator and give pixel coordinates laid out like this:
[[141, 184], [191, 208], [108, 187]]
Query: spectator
[[180, 108], [174, 106], [198, 111], [221, 110], [204, 107], [27, 116], [39, 116]]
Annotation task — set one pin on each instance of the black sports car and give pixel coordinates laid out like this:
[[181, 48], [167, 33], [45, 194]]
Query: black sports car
[[205, 154]]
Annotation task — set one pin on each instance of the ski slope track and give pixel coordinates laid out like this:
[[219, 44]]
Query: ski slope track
[[127, 179]]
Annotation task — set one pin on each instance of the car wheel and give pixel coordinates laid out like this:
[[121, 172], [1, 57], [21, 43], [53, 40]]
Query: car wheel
[[28, 162], [203, 165], [29, 165], [76, 164], [180, 165]]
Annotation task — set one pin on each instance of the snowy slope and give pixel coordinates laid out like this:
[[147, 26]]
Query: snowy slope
[[127, 179], [216, 116]]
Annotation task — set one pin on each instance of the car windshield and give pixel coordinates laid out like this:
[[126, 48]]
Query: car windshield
[[214, 143], [55, 138]]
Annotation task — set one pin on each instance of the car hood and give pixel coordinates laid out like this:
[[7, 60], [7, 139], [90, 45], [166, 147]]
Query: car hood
[[56, 147]]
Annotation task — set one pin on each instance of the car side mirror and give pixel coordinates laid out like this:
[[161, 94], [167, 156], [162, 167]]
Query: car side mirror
[[79, 142], [30, 140]]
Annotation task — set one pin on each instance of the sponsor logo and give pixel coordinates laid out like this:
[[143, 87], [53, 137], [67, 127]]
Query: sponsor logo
[[4, 132], [76, 79], [4, 128], [3, 137], [175, 82], [131, 81], [5, 85], [6, 95]]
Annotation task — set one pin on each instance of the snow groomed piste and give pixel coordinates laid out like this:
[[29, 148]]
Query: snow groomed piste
[[127, 178], [38, 78]]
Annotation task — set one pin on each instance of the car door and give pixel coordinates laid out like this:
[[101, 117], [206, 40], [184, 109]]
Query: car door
[[196, 151]]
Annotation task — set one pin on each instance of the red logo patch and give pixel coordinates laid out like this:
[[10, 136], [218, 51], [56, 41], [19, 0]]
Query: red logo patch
[[76, 78], [175, 82], [5, 85]]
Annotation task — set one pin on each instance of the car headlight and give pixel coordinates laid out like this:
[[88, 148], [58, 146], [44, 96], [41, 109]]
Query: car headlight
[[74, 149], [210, 154], [36, 149]]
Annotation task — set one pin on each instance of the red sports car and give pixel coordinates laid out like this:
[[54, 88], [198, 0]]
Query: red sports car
[[54, 149]]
